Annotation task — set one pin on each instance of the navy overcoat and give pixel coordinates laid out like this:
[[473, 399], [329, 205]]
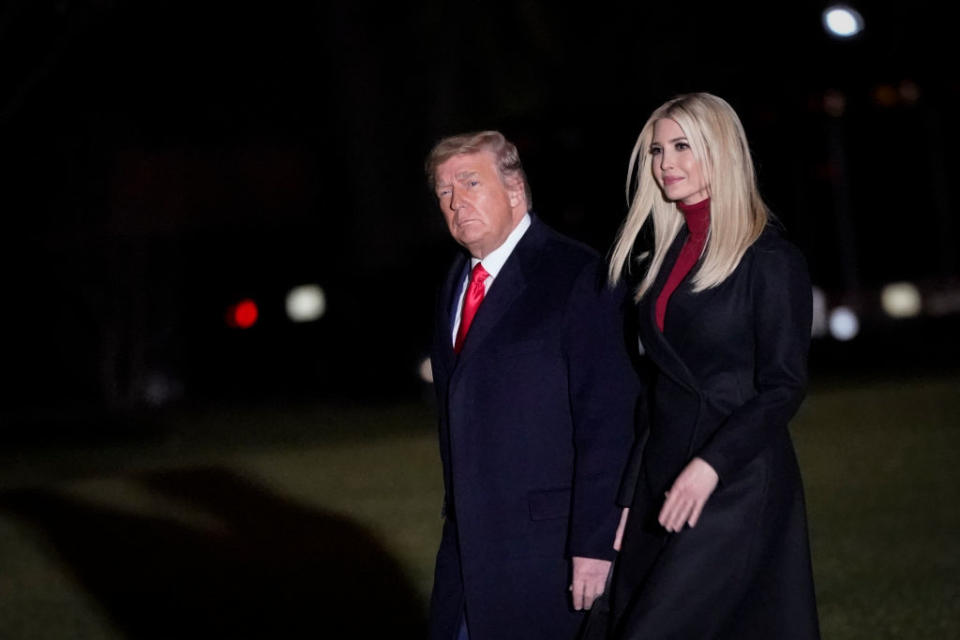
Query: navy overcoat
[[730, 373], [536, 417]]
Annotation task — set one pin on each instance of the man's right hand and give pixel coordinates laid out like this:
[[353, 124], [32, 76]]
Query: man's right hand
[[589, 580]]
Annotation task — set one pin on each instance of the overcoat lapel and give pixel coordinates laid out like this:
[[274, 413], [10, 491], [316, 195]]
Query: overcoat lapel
[[446, 310], [654, 342], [509, 285]]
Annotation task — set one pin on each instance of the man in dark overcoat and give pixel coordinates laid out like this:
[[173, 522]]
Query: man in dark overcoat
[[536, 398]]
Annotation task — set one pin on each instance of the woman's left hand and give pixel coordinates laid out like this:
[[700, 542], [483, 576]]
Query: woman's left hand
[[688, 494]]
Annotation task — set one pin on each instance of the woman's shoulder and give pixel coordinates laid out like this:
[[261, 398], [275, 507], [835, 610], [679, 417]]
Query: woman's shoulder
[[773, 256], [773, 243]]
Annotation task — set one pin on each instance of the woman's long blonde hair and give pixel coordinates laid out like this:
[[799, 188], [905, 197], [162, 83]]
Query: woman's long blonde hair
[[737, 213]]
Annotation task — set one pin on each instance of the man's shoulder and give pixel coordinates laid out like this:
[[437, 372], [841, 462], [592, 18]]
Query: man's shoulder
[[564, 250]]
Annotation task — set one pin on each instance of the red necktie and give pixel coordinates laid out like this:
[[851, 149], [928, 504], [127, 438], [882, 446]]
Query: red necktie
[[471, 302]]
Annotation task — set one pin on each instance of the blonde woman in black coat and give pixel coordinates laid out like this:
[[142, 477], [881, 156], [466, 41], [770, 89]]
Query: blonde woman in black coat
[[713, 542]]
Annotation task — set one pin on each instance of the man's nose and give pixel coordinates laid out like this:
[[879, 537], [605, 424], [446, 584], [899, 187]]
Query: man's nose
[[456, 201]]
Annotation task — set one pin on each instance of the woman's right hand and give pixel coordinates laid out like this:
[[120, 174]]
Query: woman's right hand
[[623, 523], [689, 493]]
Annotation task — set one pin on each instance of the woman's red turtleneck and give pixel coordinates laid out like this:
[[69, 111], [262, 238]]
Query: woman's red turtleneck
[[697, 217]]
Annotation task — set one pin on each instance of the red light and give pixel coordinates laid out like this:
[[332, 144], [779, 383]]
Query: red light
[[243, 314]]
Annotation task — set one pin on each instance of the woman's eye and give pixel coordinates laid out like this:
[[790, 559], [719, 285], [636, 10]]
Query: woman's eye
[[654, 151], [682, 146]]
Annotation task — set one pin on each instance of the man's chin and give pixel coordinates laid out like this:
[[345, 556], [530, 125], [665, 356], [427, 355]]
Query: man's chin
[[468, 239]]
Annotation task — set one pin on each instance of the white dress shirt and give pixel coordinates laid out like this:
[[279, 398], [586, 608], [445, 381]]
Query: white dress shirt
[[493, 263]]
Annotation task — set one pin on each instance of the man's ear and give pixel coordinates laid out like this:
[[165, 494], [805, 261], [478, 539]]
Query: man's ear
[[516, 192]]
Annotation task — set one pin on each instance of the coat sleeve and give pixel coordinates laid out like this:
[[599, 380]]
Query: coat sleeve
[[631, 474], [781, 298], [603, 390]]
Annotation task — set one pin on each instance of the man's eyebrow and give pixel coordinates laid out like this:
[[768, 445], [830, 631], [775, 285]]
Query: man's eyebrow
[[463, 175]]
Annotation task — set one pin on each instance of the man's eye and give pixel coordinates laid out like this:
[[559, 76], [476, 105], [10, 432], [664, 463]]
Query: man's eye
[[473, 183]]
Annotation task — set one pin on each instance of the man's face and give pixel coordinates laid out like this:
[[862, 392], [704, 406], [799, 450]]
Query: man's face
[[479, 208]]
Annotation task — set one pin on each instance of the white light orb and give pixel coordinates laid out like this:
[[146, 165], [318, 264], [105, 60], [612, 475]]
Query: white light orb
[[306, 303], [901, 300], [844, 324], [842, 21]]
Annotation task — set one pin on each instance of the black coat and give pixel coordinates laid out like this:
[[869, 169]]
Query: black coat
[[730, 372], [536, 421]]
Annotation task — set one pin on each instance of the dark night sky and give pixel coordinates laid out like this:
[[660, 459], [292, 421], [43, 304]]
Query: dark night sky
[[162, 159]]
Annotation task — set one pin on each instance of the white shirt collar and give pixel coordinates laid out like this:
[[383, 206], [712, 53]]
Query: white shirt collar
[[493, 263], [495, 260]]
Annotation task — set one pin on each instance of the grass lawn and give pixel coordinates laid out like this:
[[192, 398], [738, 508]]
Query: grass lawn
[[317, 522], [882, 467]]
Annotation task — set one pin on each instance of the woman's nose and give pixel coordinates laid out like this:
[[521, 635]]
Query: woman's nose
[[666, 160]]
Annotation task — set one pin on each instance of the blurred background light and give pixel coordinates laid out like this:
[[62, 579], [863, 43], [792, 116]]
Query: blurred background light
[[842, 21], [909, 92], [834, 103], [844, 324], [943, 303], [426, 371], [161, 389], [885, 95], [306, 303], [243, 314], [901, 300], [819, 328]]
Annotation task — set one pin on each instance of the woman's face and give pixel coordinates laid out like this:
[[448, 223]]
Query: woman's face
[[674, 167]]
